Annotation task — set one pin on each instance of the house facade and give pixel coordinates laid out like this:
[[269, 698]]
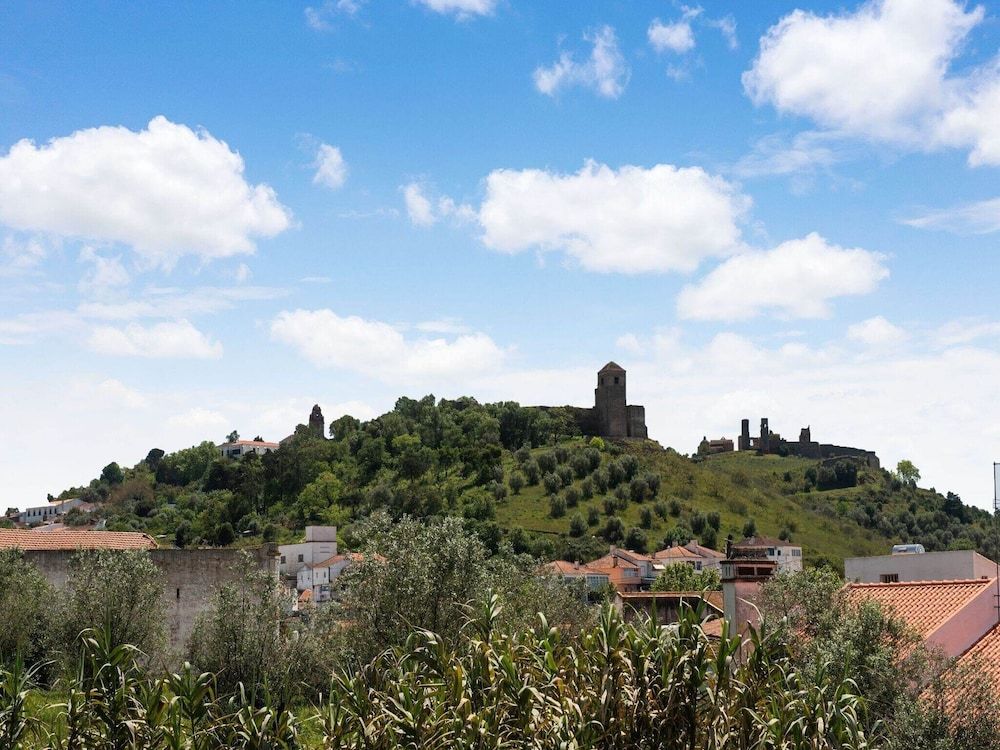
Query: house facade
[[320, 544], [44, 513], [785, 555], [951, 565], [238, 448]]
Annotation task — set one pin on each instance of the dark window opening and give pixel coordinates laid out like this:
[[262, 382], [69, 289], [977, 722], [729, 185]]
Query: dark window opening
[[889, 578], [178, 593], [616, 380]]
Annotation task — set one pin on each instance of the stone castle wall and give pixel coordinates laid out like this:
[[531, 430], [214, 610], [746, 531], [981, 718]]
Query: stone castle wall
[[191, 578]]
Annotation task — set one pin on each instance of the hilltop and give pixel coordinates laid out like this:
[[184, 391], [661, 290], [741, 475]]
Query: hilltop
[[524, 476]]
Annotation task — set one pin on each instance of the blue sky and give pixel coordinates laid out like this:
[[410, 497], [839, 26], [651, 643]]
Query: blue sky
[[214, 215]]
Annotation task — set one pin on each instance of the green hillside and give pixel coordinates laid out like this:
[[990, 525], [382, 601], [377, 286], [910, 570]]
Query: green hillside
[[520, 475]]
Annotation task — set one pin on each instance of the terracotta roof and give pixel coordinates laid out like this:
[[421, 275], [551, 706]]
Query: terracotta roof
[[612, 560], [676, 553], [74, 539], [704, 551], [985, 655], [352, 556], [923, 605], [713, 628]]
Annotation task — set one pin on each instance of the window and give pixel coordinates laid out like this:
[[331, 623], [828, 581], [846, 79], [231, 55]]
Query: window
[[282, 559], [616, 380], [301, 558], [889, 578], [770, 551], [796, 552]]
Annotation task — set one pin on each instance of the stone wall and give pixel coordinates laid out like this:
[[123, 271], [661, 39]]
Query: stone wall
[[191, 578]]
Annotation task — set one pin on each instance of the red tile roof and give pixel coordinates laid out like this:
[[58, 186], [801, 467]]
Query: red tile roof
[[67, 539], [762, 541], [677, 553], [923, 605]]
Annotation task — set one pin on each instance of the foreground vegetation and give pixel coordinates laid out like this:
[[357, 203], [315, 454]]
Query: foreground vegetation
[[525, 477]]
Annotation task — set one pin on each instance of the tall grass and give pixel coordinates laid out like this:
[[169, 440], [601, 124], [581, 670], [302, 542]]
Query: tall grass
[[618, 685]]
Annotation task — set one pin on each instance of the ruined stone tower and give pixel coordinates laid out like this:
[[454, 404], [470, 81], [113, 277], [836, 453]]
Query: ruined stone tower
[[744, 442], [316, 421], [609, 401], [764, 446]]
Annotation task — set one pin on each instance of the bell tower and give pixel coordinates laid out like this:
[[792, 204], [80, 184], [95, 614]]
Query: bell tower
[[609, 401]]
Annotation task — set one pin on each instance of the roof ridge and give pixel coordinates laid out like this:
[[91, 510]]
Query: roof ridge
[[930, 582]]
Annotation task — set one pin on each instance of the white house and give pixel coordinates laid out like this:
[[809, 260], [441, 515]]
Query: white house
[[44, 513], [237, 448], [321, 577], [785, 555], [698, 557], [320, 544]]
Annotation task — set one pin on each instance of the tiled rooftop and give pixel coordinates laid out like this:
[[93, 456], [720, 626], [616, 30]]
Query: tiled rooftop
[[924, 605], [67, 539]]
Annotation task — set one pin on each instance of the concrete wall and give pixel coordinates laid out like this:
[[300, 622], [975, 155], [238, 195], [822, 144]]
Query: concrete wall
[[191, 578], [953, 565]]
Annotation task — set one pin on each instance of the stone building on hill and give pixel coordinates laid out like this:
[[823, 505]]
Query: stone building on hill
[[611, 416], [768, 442]]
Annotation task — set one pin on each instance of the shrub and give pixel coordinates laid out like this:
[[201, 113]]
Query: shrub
[[593, 516], [601, 482], [616, 474], [587, 488], [565, 475], [714, 519], [516, 482], [523, 454], [498, 490], [546, 462], [675, 507], [572, 496], [614, 530], [630, 465], [532, 473], [652, 481], [635, 539], [580, 466], [661, 509], [646, 518], [557, 507], [561, 454], [637, 490], [749, 529], [577, 525], [698, 523], [610, 506], [551, 483]]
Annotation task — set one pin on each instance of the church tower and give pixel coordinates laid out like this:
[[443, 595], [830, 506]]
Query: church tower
[[609, 401], [316, 421]]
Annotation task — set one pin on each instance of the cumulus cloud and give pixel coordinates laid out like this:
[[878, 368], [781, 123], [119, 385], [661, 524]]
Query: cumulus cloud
[[331, 169], [461, 9], [882, 72], [605, 71], [803, 153], [418, 206], [629, 220], [674, 37], [380, 350], [796, 279], [981, 217], [166, 191], [876, 331], [199, 418], [425, 211], [168, 340]]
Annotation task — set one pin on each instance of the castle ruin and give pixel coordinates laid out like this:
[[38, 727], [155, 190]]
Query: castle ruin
[[768, 442], [611, 416]]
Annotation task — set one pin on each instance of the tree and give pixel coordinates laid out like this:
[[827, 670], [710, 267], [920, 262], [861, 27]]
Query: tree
[[683, 577], [516, 482], [749, 529], [416, 574], [557, 506], [551, 483], [232, 437], [614, 530], [112, 474], [907, 472], [577, 525], [318, 498], [26, 617], [636, 539], [117, 590]]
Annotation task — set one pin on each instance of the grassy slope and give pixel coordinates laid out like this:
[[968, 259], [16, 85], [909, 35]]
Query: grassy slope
[[738, 486]]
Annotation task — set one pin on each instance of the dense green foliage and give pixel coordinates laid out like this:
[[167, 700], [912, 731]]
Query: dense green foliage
[[524, 475], [682, 577]]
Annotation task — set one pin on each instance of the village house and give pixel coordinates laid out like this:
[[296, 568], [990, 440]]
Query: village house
[[785, 555], [51, 510], [698, 557], [320, 544], [949, 565], [571, 571], [629, 571], [320, 578], [238, 448]]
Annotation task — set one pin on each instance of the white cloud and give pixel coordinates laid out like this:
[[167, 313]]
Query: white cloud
[[727, 27], [169, 340], [882, 72], [462, 9], [630, 220], [605, 70], [675, 37], [981, 217], [173, 303], [805, 153], [381, 350], [320, 17], [26, 328], [242, 273], [104, 273], [418, 207], [331, 169], [21, 256], [796, 279], [166, 191], [876, 331], [965, 331], [629, 342], [117, 392], [425, 212]]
